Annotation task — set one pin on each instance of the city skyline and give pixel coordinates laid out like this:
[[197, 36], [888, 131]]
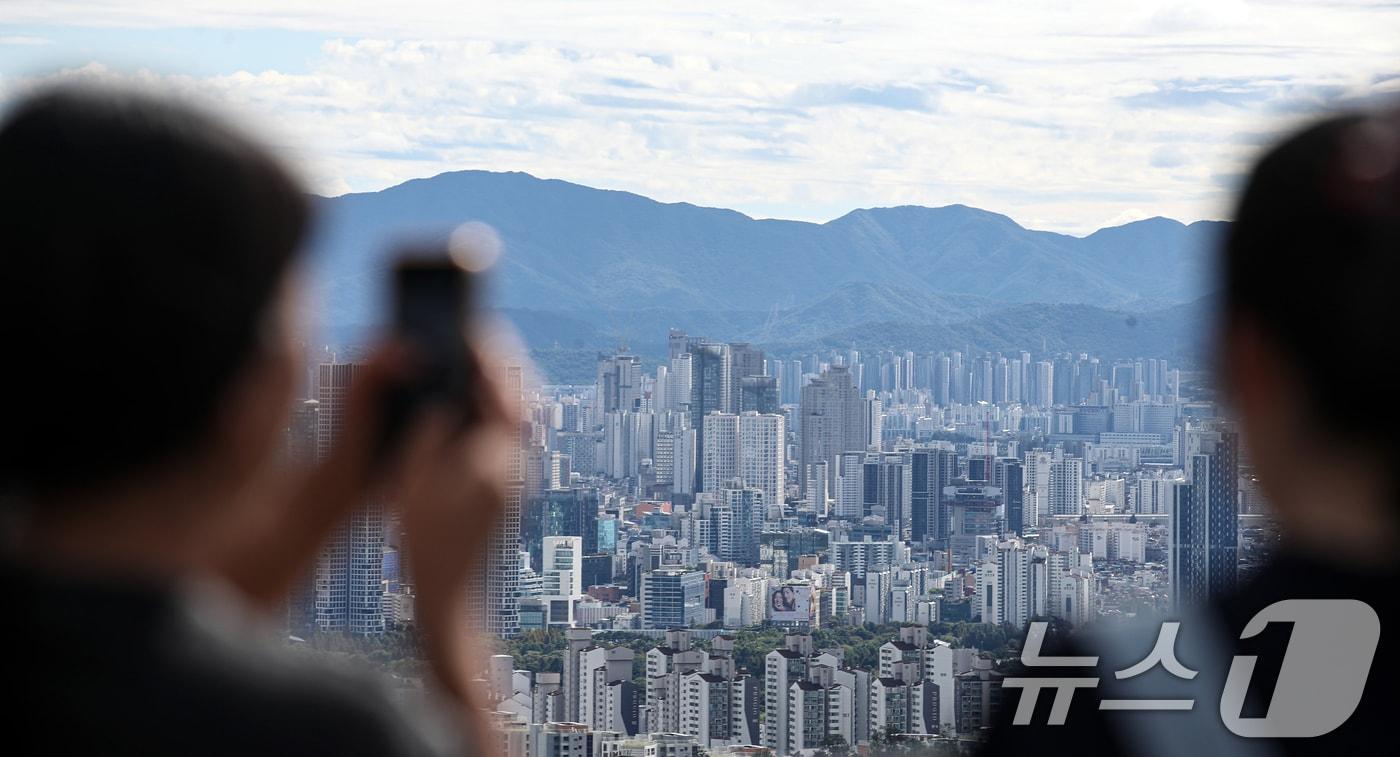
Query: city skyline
[[978, 490]]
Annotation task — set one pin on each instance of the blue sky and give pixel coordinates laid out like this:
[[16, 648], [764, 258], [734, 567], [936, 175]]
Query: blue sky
[[1068, 119], [28, 49]]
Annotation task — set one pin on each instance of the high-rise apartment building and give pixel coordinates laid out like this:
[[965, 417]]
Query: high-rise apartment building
[[608, 700], [749, 447], [1010, 476], [931, 471], [887, 489], [678, 381], [1066, 486], [1153, 496], [833, 421], [720, 450], [1203, 562], [736, 518], [745, 361], [957, 379], [1014, 586], [301, 447], [619, 384], [684, 470], [790, 381], [942, 381], [761, 454], [758, 394], [710, 386], [495, 602], [349, 570]]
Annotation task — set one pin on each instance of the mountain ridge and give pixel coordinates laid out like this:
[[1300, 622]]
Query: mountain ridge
[[617, 263], [573, 244]]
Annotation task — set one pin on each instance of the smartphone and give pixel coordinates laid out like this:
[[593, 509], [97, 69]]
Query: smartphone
[[432, 304]]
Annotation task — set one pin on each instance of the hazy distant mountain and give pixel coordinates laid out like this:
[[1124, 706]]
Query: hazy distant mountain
[[1178, 332], [590, 269], [866, 302], [573, 247]]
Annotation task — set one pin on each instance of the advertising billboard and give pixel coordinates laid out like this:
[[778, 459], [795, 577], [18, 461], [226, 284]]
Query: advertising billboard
[[790, 602]]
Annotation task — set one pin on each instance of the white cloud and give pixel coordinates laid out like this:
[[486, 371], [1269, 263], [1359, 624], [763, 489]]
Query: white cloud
[[1060, 119], [1127, 216], [1175, 17]]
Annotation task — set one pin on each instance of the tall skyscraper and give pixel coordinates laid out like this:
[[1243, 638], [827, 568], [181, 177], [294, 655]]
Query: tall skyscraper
[[710, 385], [349, 570], [1014, 585], [720, 461], [747, 447], [1066, 491], [761, 459], [677, 394], [791, 381], [566, 512], [1062, 382], [1037, 473], [872, 421], [619, 384], [1010, 477], [942, 378], [495, 603], [301, 447], [1044, 396], [576, 641], [745, 360], [1204, 559], [933, 470], [677, 344], [736, 519], [982, 379], [758, 394], [886, 489], [849, 488], [684, 468], [833, 421], [957, 379]]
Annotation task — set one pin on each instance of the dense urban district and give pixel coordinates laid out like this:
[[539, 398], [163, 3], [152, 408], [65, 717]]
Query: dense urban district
[[728, 552]]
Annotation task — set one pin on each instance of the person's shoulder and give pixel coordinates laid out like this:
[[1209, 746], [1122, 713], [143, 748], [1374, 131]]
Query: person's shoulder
[[246, 692], [117, 667]]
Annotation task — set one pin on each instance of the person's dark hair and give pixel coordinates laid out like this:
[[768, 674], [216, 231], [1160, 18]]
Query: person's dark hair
[[1312, 259], [143, 243]]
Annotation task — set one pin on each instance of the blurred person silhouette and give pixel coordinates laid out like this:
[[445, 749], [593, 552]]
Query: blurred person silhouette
[[1310, 267], [149, 253]]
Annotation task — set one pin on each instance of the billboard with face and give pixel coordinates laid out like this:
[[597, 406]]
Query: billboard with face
[[790, 603]]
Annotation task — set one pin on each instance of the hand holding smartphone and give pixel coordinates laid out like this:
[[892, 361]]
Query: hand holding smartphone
[[432, 300]]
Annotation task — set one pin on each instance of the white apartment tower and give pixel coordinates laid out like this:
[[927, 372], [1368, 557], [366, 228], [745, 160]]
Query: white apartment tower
[[761, 445], [833, 420], [1066, 487], [748, 447]]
